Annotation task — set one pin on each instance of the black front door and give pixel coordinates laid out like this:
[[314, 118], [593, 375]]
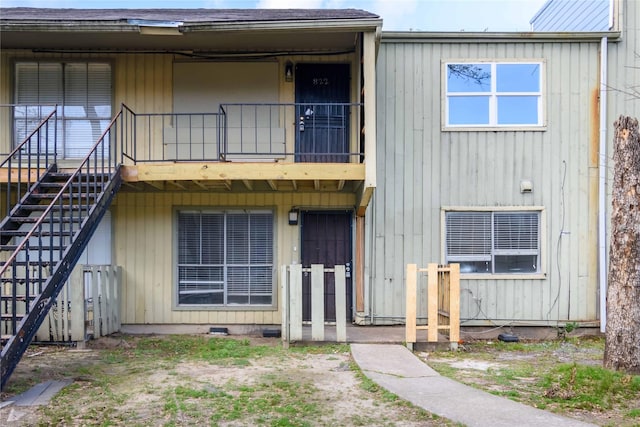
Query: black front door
[[326, 239], [322, 97]]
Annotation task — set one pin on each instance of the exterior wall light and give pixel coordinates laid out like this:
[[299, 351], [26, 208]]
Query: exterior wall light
[[293, 217], [288, 71]]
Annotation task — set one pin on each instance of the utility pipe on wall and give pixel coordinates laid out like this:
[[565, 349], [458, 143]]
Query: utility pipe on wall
[[602, 193]]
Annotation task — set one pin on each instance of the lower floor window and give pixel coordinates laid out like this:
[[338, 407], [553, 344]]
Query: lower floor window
[[493, 242], [225, 257]]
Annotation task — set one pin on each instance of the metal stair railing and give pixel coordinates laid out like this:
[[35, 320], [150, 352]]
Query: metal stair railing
[[72, 216], [42, 140]]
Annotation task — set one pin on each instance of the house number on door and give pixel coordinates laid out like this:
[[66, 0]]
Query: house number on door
[[320, 81]]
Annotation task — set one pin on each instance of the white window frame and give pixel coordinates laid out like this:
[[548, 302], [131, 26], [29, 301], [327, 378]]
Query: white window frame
[[542, 249], [67, 117], [493, 97], [226, 265]]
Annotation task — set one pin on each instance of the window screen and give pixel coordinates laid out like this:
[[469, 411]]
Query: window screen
[[493, 242], [225, 257], [82, 92]]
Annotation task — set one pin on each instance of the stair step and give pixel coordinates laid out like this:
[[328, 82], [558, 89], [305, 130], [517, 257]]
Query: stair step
[[11, 316], [32, 263], [22, 280], [33, 247], [75, 184], [44, 233], [45, 196], [21, 298], [45, 206], [67, 175], [34, 219]]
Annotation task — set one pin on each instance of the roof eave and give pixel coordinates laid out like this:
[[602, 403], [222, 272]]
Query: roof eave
[[326, 25], [110, 27], [483, 37]]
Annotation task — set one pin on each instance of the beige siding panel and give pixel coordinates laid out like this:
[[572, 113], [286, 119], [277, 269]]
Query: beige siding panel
[[425, 169], [6, 97], [144, 236]]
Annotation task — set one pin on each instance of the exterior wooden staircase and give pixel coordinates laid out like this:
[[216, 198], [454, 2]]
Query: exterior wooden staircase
[[51, 216]]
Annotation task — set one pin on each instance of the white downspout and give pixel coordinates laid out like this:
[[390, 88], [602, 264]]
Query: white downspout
[[602, 193]]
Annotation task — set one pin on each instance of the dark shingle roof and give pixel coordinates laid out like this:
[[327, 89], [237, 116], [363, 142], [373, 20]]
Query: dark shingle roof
[[33, 15]]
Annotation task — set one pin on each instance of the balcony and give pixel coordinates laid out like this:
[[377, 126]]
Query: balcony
[[247, 147]]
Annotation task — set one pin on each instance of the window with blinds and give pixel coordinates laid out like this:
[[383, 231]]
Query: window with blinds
[[493, 242], [82, 92], [225, 257]]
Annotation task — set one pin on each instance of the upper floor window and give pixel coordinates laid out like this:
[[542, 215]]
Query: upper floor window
[[493, 94], [82, 92], [493, 242]]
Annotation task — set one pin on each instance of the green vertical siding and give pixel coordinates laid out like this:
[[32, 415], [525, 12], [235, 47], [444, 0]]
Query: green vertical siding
[[422, 169]]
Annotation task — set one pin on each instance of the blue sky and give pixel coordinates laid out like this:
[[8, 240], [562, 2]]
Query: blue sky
[[417, 15]]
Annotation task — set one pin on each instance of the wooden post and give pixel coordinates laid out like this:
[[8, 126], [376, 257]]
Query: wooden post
[[454, 299], [410, 303], [109, 273], [432, 302], [295, 301], [118, 292], [284, 305], [317, 302], [78, 332], [341, 303], [95, 294], [359, 264]]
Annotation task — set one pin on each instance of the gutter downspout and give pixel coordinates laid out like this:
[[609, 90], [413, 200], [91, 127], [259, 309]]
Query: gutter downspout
[[602, 193]]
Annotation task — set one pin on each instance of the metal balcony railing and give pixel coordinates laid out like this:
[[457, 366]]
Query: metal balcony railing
[[309, 132]]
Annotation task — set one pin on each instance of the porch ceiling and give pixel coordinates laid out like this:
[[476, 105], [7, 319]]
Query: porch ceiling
[[243, 177]]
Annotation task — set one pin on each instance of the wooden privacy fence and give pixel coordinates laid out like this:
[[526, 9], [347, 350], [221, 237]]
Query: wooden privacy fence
[[87, 306], [291, 299], [443, 302]]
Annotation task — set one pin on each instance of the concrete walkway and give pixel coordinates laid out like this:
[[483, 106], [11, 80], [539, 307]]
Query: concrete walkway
[[396, 369]]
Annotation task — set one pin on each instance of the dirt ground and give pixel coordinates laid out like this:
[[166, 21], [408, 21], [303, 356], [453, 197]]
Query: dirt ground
[[493, 367], [324, 380], [317, 388]]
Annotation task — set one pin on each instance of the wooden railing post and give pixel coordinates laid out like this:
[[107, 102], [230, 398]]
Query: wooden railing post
[[432, 302], [284, 304], [454, 311], [341, 303], [411, 304], [317, 302], [78, 327], [295, 301]]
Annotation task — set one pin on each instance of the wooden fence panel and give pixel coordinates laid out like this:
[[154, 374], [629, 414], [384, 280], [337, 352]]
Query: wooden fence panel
[[443, 302], [291, 300]]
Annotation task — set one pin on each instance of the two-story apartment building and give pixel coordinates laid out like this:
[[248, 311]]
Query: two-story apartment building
[[251, 139], [246, 140]]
